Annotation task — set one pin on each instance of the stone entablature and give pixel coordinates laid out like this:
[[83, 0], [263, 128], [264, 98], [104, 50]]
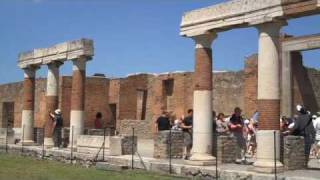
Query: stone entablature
[[59, 52], [301, 43], [241, 13]]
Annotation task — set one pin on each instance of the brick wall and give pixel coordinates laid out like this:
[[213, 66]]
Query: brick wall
[[251, 85], [96, 100]]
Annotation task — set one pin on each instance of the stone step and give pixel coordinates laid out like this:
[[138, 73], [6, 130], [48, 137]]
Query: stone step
[[106, 166]]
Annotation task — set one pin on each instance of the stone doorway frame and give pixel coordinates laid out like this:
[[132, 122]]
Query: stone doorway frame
[[288, 46]]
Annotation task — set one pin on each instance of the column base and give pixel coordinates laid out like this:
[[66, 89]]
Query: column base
[[268, 147], [48, 142], [27, 143], [199, 159], [267, 166]]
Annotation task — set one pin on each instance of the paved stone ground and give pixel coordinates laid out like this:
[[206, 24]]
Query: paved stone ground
[[179, 166]]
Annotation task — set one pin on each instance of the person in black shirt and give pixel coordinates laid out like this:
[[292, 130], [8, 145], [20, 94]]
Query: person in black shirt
[[303, 126], [186, 127], [163, 122], [57, 124]]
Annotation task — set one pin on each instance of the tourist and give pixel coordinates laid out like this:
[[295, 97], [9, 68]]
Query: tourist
[[57, 124], [98, 124], [251, 137], [303, 126], [255, 117], [236, 128], [317, 138], [222, 125], [284, 126], [163, 122], [186, 127], [177, 123]]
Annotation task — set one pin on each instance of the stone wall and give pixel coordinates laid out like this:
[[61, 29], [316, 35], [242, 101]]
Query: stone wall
[[227, 149], [162, 144], [293, 153], [142, 128]]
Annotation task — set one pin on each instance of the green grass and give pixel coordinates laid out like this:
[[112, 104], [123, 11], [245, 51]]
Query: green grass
[[26, 168]]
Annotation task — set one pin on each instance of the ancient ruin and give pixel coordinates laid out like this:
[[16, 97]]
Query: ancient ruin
[[268, 17], [273, 81], [79, 52]]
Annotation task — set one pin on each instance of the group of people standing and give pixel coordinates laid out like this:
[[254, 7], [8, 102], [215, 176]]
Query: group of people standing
[[244, 130], [235, 125]]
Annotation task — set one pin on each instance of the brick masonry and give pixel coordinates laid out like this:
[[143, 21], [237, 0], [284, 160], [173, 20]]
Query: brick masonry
[[203, 69], [230, 89], [269, 114]]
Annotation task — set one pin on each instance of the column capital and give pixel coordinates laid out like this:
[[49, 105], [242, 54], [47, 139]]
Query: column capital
[[271, 28], [55, 64], [204, 40], [80, 63], [30, 71]]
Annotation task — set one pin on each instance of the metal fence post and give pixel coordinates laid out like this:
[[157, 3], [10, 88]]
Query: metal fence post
[[170, 145], [216, 146], [22, 139], [104, 143], [43, 142], [7, 137], [132, 149], [71, 153], [275, 155]]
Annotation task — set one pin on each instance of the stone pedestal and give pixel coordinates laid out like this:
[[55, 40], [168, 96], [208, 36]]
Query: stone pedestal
[[293, 153], [122, 145], [226, 150], [162, 144]]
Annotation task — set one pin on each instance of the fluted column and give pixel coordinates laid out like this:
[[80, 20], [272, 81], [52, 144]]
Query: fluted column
[[268, 97], [202, 101], [77, 98], [51, 100], [27, 123]]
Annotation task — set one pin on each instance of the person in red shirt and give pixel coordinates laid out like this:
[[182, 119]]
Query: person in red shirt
[[98, 121]]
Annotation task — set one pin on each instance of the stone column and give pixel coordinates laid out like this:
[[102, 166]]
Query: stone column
[[51, 100], [77, 98], [268, 97], [286, 85], [202, 101], [27, 123]]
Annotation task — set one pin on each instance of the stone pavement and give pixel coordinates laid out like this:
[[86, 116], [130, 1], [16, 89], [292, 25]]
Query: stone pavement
[[179, 166]]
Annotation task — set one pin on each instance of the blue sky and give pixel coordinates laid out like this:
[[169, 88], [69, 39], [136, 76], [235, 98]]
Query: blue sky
[[130, 35]]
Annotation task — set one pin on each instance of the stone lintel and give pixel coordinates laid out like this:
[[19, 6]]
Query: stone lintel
[[301, 43], [60, 52], [244, 13]]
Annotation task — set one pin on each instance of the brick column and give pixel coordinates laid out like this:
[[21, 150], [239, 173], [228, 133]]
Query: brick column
[[202, 101], [268, 97], [51, 100], [27, 123], [77, 98]]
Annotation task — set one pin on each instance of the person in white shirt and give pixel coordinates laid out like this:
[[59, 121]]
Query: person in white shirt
[[316, 124]]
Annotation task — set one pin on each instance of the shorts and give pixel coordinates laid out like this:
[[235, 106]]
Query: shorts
[[187, 139]]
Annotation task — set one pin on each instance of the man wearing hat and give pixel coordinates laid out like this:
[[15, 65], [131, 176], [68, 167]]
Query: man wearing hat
[[57, 124]]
